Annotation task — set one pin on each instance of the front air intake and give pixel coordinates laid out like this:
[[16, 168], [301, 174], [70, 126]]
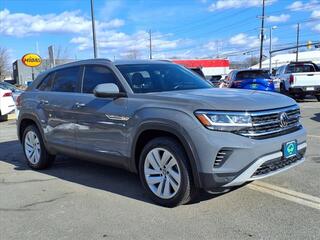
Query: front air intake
[[221, 157]]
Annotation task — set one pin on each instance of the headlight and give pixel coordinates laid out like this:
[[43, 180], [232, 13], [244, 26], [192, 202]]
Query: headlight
[[224, 121]]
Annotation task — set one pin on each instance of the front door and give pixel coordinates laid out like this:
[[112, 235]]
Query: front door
[[101, 122]]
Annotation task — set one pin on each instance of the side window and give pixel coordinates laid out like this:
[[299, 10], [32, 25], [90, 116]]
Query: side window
[[95, 75], [46, 83], [66, 80]]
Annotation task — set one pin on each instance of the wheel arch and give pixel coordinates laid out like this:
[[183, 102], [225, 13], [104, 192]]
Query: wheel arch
[[149, 131], [24, 122]]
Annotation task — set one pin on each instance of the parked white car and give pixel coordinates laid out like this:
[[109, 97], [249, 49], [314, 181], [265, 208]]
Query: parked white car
[[6, 102], [298, 79]]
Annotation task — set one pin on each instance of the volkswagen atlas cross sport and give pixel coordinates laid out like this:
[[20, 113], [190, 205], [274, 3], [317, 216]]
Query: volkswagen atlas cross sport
[[162, 121]]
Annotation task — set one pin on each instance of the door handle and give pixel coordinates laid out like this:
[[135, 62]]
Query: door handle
[[44, 102], [80, 105]]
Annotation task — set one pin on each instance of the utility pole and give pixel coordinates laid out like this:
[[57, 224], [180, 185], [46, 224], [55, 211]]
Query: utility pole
[[150, 44], [93, 31], [270, 49], [298, 36], [262, 34]]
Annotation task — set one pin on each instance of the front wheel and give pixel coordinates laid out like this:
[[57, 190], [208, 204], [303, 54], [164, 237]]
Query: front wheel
[[34, 149], [318, 97], [165, 173]]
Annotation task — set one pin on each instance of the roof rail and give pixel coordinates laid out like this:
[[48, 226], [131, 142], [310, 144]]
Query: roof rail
[[292, 62]]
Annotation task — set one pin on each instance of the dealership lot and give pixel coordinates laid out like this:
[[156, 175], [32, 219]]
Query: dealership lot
[[81, 200]]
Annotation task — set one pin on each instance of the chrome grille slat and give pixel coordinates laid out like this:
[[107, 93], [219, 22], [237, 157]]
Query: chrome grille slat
[[267, 123]]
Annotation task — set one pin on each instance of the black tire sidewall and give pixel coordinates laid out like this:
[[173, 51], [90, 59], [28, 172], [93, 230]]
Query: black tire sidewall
[[178, 152]]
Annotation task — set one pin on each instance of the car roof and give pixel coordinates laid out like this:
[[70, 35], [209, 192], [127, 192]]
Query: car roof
[[129, 62], [104, 60]]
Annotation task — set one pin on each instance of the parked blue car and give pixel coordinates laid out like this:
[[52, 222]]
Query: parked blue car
[[250, 79]]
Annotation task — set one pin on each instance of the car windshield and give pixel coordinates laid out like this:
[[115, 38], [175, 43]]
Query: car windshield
[[295, 68], [244, 75], [145, 78]]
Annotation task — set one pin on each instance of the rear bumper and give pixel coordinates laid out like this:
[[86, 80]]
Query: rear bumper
[[305, 90]]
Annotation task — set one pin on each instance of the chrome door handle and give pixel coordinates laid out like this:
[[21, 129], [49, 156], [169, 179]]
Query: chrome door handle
[[80, 105], [45, 102]]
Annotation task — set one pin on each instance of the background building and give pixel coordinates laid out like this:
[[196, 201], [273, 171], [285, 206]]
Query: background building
[[285, 58], [22, 74]]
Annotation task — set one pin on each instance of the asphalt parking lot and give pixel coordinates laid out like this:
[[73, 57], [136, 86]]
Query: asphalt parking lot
[[81, 200]]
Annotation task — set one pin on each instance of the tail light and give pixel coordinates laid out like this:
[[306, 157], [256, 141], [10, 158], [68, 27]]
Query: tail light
[[291, 79], [18, 101], [236, 83], [7, 94]]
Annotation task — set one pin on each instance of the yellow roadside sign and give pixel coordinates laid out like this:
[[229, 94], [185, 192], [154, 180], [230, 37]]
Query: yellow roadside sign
[[31, 60]]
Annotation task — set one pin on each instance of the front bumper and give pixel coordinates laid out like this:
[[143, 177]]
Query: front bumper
[[256, 170], [247, 156]]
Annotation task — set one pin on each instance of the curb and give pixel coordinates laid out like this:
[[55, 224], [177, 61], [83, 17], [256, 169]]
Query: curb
[[11, 116]]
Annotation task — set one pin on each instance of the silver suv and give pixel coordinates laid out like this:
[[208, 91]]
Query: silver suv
[[161, 121]]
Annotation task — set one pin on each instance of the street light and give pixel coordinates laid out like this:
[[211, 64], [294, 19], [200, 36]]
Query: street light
[[270, 48]]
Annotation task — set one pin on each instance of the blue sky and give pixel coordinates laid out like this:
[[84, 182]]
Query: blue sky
[[180, 28]]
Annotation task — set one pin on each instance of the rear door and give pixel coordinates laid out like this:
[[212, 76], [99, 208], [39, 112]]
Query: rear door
[[56, 97], [101, 122]]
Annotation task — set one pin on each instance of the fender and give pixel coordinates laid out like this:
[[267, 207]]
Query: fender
[[180, 133], [28, 116]]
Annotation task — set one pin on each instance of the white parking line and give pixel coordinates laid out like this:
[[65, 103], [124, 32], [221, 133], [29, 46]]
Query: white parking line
[[313, 136], [290, 195]]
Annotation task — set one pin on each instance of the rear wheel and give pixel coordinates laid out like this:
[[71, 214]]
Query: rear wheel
[[318, 97], [34, 149], [165, 173]]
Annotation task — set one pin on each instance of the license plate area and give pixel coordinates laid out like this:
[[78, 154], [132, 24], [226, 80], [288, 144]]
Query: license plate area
[[290, 149]]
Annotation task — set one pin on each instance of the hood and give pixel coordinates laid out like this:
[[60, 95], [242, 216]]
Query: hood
[[228, 99]]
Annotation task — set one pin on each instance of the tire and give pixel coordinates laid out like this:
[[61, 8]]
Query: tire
[[318, 97], [34, 149], [283, 89], [173, 191]]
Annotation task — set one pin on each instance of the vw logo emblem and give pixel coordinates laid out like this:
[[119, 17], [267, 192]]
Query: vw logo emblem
[[284, 119]]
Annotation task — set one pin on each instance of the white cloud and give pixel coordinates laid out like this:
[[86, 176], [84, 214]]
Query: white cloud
[[122, 43], [277, 19], [244, 40], [227, 4], [301, 6], [316, 28], [21, 24], [315, 14]]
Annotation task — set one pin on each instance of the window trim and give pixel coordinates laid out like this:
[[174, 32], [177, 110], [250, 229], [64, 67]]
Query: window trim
[[119, 84]]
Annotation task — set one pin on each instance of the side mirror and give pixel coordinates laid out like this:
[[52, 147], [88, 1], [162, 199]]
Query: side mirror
[[108, 90]]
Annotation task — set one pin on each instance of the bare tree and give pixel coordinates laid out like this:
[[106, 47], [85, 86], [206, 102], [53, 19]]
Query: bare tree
[[4, 63]]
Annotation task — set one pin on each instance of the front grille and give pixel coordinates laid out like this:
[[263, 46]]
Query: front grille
[[221, 157], [275, 164], [266, 124]]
